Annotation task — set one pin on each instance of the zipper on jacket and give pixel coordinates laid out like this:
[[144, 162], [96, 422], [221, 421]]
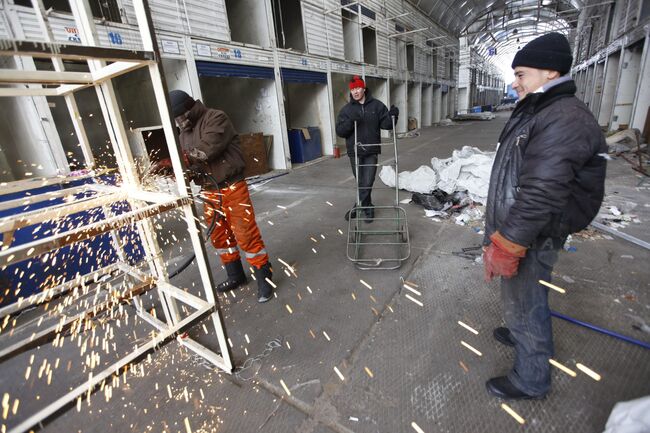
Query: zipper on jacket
[[519, 137]]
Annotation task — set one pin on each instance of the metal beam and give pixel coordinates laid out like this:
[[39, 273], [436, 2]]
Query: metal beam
[[96, 379], [114, 70], [45, 77], [9, 47], [41, 246]]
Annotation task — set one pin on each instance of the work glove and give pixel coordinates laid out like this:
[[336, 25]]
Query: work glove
[[356, 117], [162, 167], [393, 112], [501, 257]]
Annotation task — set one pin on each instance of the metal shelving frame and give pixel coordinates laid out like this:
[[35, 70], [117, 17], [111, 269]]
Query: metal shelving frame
[[143, 204]]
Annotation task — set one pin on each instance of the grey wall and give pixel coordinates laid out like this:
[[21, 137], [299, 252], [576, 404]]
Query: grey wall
[[251, 104]]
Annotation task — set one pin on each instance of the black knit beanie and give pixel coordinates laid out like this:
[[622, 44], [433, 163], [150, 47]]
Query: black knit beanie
[[180, 102], [551, 51]]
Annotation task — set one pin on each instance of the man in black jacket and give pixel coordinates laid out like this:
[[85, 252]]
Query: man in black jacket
[[546, 183], [370, 115]]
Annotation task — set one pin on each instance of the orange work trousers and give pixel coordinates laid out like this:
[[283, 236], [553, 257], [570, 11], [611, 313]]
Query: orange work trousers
[[235, 225]]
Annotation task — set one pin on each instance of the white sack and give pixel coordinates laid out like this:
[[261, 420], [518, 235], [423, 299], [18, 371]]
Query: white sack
[[422, 180]]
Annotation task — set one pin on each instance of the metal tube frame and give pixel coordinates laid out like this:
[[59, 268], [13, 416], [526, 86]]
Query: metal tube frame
[[100, 75], [355, 239]]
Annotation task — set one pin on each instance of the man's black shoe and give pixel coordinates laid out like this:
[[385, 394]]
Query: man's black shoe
[[503, 336], [370, 214], [502, 387], [350, 213]]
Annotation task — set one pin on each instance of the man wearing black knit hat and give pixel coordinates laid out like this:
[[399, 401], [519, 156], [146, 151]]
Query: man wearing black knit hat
[[211, 148], [547, 182]]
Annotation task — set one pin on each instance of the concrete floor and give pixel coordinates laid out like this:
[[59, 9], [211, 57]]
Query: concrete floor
[[398, 362]]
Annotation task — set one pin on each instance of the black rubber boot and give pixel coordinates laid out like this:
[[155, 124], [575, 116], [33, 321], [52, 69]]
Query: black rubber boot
[[264, 288], [236, 277], [350, 214]]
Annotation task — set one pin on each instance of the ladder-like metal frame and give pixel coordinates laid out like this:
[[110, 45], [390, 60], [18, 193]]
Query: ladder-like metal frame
[[143, 204]]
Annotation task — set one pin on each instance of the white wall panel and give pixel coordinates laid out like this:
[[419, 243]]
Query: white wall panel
[[347, 68], [231, 53], [383, 48], [296, 61], [166, 15], [335, 35], [314, 23], [208, 19]]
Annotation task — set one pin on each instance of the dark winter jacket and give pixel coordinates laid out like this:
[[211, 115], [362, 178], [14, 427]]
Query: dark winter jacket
[[548, 177], [213, 144], [373, 116]]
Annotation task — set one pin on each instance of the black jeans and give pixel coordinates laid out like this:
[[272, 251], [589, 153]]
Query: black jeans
[[367, 172], [527, 315]]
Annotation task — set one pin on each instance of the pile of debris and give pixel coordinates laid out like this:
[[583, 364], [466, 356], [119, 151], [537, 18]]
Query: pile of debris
[[614, 217], [456, 186], [487, 115], [630, 141]]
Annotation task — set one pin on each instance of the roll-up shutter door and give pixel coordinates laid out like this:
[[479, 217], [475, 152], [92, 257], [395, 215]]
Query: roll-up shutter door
[[300, 76], [214, 69]]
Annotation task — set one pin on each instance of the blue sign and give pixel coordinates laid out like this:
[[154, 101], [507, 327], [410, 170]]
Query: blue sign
[[115, 38], [492, 51]]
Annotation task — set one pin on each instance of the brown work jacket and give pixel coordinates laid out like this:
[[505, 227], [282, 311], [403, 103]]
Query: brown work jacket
[[213, 143]]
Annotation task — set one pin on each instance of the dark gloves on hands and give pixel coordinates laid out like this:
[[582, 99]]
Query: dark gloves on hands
[[162, 167], [356, 117], [393, 112]]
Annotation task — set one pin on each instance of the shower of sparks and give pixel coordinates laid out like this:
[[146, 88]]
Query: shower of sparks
[[326, 336], [340, 232], [329, 203], [414, 300], [284, 385], [366, 284], [314, 250], [416, 427], [281, 207], [188, 429], [469, 328], [471, 348], [412, 290], [287, 265], [552, 286], [338, 373], [568, 371], [368, 372], [512, 413], [588, 371], [289, 309]]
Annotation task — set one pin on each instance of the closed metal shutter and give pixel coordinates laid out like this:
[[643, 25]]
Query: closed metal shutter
[[299, 76], [215, 69]]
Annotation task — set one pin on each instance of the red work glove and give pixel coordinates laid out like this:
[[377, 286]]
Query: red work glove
[[501, 258], [162, 167], [186, 159]]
